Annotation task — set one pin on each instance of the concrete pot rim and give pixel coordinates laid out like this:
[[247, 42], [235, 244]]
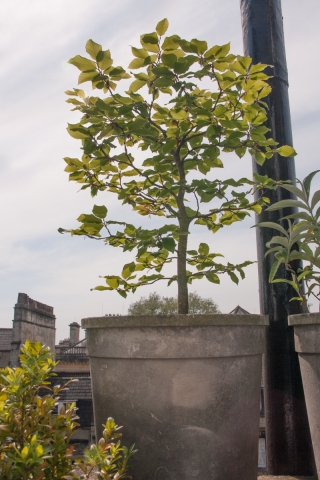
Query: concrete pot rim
[[304, 319], [188, 320]]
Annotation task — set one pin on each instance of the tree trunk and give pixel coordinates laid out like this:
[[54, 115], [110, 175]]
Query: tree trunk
[[183, 306]]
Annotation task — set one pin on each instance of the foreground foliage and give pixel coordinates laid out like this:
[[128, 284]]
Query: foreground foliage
[[299, 241], [196, 102], [154, 304], [34, 438]]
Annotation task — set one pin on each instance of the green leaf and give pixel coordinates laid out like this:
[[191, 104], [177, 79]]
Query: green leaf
[[307, 182], [84, 64], [315, 199], [203, 249], [113, 282], [104, 59], [223, 50], [179, 115], [151, 38], [164, 82], [212, 277], [136, 85], [169, 244], [275, 268], [233, 277], [77, 132], [169, 59], [93, 48], [296, 191], [162, 27], [86, 76], [140, 52], [286, 204], [201, 45], [286, 151], [128, 269], [136, 63], [100, 211], [171, 43], [273, 225]]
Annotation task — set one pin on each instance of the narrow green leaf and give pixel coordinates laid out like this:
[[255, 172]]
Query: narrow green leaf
[[296, 191], [286, 204], [307, 182], [273, 225], [275, 268], [233, 277], [315, 199]]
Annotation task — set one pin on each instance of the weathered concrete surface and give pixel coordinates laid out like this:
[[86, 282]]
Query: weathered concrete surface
[[187, 396], [307, 344]]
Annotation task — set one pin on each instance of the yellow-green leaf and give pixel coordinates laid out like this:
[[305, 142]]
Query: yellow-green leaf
[[104, 59], [139, 52], [136, 85], [24, 452], [93, 48], [113, 282], [84, 64], [162, 27], [286, 151], [136, 63]]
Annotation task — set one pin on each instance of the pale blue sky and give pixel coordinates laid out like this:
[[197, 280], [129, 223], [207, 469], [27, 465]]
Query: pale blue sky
[[37, 40]]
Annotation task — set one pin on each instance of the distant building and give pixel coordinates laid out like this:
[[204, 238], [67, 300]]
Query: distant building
[[35, 321]]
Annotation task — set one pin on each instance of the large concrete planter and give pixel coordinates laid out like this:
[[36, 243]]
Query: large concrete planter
[[307, 344], [186, 388]]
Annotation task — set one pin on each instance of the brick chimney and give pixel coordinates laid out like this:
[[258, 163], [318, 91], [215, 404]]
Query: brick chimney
[[74, 333]]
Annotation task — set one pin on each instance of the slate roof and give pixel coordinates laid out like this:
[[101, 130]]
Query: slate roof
[[239, 311], [78, 390], [5, 339]]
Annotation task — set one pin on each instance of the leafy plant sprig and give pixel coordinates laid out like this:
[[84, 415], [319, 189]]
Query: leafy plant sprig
[[35, 438], [107, 457], [183, 127], [300, 241]]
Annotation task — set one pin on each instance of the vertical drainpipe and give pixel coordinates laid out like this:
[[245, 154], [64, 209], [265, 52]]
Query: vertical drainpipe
[[289, 450]]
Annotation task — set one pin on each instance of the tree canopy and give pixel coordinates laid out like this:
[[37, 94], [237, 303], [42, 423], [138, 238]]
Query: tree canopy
[[154, 304], [194, 103]]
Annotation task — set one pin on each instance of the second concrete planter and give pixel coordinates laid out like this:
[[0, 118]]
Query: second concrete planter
[[186, 389], [307, 345]]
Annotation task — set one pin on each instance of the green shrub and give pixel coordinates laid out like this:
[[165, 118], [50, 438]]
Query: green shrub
[[34, 438]]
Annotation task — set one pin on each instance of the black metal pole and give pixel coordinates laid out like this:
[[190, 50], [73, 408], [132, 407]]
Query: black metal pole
[[289, 450]]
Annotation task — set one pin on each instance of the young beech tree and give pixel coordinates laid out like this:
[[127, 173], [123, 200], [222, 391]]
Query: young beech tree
[[194, 103]]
